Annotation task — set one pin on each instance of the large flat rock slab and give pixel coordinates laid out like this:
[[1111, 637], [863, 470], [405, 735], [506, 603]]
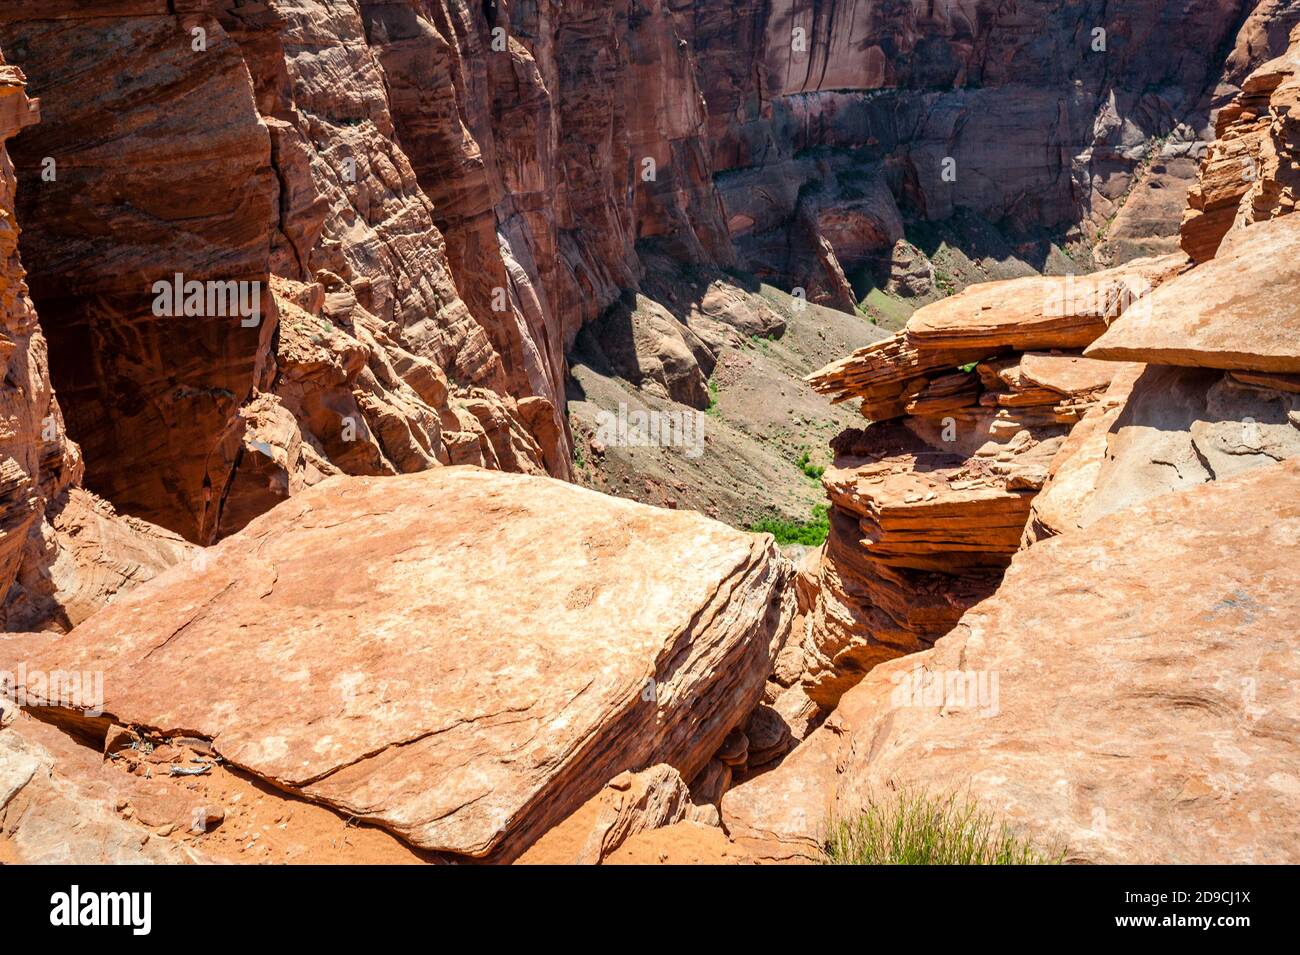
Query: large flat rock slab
[[1145, 707], [1239, 310], [1041, 311], [461, 656]]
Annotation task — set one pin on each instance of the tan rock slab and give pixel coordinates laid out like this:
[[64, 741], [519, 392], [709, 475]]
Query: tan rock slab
[[1068, 374], [1240, 310], [463, 657], [1145, 710], [1039, 311]]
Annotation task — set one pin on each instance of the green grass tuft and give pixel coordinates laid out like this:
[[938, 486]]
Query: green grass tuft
[[918, 829], [814, 471], [811, 533]]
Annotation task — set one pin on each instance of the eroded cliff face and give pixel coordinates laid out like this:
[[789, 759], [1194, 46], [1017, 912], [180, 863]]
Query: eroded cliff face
[[454, 188], [235, 142], [832, 122], [462, 187], [423, 203], [33, 428], [63, 551]]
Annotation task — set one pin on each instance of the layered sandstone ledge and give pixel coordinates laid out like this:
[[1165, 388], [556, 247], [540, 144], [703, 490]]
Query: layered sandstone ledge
[[1137, 702], [1127, 682], [969, 406], [1251, 172]]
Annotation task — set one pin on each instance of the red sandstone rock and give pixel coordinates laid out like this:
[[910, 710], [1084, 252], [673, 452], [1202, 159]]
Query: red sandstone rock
[[1067, 374], [1157, 724], [26, 397], [1239, 310], [1251, 173], [1043, 312], [50, 818], [622, 654], [630, 803]]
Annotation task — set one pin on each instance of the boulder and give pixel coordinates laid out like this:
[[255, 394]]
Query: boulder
[[1072, 475], [460, 656], [630, 803], [1239, 310], [1180, 427], [50, 818], [644, 343], [1134, 696]]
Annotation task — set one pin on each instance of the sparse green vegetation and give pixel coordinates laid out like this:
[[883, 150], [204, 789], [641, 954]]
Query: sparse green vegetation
[[944, 282], [881, 308], [919, 829], [814, 471], [811, 533], [713, 408]]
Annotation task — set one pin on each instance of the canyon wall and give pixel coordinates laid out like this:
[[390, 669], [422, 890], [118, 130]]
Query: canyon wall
[[1098, 392], [832, 123], [1087, 516], [406, 211]]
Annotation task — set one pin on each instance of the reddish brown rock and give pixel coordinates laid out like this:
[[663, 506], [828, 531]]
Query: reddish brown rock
[[48, 817], [1044, 312], [1067, 374], [1072, 475], [34, 427], [1169, 658], [888, 375], [623, 654], [1251, 173], [325, 197], [1165, 429], [914, 371], [931, 510], [93, 555], [136, 204], [630, 803], [1239, 310], [927, 510], [63, 552], [919, 531]]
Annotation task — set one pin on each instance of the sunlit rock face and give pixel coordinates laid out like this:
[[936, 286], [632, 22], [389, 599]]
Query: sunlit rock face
[[468, 185]]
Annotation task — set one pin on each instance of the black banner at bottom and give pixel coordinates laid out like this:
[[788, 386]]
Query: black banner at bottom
[[305, 905]]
